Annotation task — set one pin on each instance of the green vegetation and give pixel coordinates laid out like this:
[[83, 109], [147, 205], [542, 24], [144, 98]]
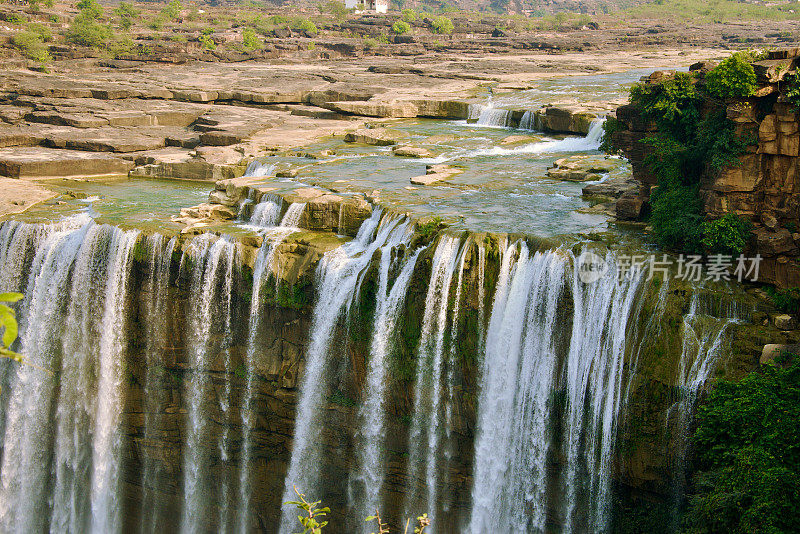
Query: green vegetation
[[793, 89], [335, 8], [250, 40], [207, 42], [31, 46], [311, 521], [561, 21], [8, 323], [41, 30], [733, 78], [746, 476], [16, 18], [90, 9], [400, 27], [89, 32], [694, 138], [127, 13], [785, 300], [726, 235], [172, 10], [610, 126], [304, 25], [442, 25], [714, 11], [409, 15]]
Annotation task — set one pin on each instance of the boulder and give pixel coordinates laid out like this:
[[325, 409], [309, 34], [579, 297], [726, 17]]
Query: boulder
[[629, 207], [411, 152], [784, 322], [773, 350], [564, 119], [436, 173], [375, 136]]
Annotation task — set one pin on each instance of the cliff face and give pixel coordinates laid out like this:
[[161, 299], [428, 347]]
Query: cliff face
[[763, 188]]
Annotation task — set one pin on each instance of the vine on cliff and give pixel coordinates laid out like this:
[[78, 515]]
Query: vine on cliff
[[694, 138]]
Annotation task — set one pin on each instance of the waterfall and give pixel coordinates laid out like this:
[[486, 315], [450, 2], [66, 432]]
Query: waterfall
[[256, 169], [493, 117], [509, 494], [261, 271], [156, 295], [528, 121], [292, 217], [338, 275], [267, 212], [424, 440], [64, 477], [575, 144], [703, 343], [370, 435], [594, 371], [210, 299]]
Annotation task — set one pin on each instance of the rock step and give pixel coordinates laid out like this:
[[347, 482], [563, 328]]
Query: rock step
[[25, 162]]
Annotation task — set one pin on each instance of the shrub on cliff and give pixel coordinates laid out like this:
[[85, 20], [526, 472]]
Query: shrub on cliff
[[746, 474], [250, 40], [90, 9], [442, 25], [401, 27], [727, 235], [733, 78], [31, 46], [89, 32], [409, 15], [690, 142]]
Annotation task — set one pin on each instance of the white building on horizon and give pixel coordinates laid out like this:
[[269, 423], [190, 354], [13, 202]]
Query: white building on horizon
[[362, 6]]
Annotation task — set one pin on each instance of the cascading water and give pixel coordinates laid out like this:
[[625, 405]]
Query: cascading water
[[370, 437], [425, 436], [594, 373], [528, 121], [210, 289], [509, 494], [267, 212], [553, 371], [261, 271], [256, 169], [65, 477], [338, 276], [156, 291]]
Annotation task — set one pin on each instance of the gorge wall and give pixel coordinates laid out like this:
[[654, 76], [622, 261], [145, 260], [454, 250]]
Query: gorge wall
[[763, 188], [474, 377]]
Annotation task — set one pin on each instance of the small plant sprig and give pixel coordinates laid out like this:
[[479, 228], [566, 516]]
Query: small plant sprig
[[383, 528], [311, 522], [8, 321]]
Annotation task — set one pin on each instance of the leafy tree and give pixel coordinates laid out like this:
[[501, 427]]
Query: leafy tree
[[746, 476], [41, 30], [442, 25], [127, 13], [172, 10], [400, 27], [90, 9], [733, 78], [89, 32], [409, 15], [335, 8]]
